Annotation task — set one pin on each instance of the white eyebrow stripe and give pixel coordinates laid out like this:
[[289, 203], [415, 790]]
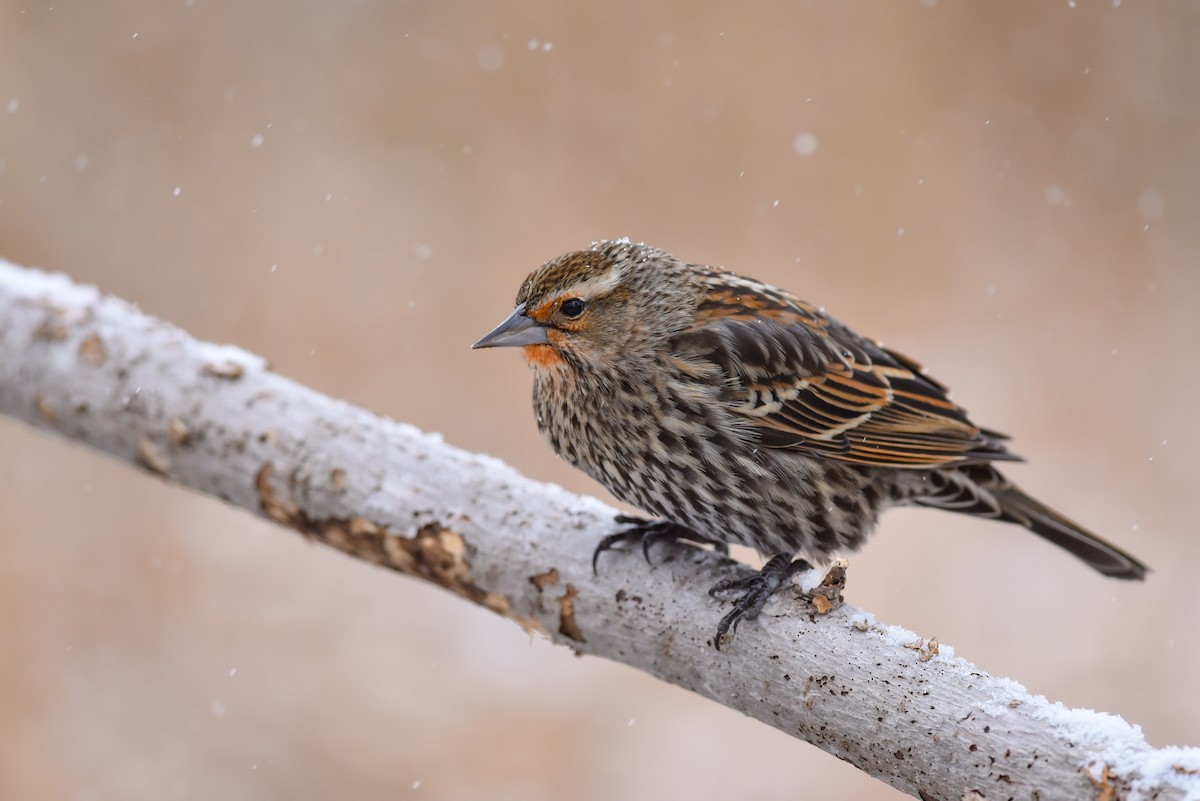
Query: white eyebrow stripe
[[599, 285]]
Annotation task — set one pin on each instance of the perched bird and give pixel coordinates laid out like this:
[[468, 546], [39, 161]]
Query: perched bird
[[738, 413]]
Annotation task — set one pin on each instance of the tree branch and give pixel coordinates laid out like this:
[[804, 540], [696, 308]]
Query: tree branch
[[216, 419]]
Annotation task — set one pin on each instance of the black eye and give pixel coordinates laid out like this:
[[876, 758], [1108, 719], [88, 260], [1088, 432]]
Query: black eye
[[572, 307]]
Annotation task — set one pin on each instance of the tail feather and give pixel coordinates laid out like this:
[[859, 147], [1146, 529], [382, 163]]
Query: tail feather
[[982, 491], [1110, 560]]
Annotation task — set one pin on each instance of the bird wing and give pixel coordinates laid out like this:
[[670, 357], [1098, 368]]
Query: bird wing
[[804, 382]]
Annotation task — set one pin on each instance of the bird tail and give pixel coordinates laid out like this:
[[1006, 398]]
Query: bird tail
[[1017, 507], [982, 490]]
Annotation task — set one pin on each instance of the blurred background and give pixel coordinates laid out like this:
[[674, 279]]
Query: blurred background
[[1008, 192]]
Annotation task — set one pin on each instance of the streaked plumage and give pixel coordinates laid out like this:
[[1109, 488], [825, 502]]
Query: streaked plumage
[[744, 415]]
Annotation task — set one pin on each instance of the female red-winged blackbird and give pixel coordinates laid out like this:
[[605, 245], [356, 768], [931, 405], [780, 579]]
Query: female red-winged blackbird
[[738, 413]]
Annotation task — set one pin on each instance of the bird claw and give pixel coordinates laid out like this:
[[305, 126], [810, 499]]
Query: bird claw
[[649, 532], [756, 590]]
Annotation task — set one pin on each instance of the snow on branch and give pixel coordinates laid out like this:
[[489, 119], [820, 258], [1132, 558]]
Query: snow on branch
[[216, 419]]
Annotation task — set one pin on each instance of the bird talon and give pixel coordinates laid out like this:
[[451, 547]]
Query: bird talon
[[647, 541], [604, 545], [648, 532], [730, 620], [757, 590], [725, 585]]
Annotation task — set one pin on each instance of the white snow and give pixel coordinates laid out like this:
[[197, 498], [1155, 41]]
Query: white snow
[[1150, 204], [35, 283], [1055, 196], [805, 143], [810, 579], [490, 57]]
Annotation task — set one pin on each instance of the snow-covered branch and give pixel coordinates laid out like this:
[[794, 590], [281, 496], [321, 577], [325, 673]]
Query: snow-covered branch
[[215, 418]]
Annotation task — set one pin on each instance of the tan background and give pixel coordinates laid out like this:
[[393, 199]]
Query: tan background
[[1009, 192]]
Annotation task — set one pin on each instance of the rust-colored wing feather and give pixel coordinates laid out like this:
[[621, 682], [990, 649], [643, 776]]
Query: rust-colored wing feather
[[807, 383]]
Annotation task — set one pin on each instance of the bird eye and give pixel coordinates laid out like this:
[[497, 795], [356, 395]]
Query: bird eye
[[572, 307]]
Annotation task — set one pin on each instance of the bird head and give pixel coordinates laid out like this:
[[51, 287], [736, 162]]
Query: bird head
[[600, 307]]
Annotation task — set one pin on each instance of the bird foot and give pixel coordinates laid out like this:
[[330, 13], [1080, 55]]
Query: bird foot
[[649, 532], [755, 591]]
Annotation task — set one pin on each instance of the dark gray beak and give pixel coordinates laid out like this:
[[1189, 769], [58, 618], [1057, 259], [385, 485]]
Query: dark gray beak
[[514, 332]]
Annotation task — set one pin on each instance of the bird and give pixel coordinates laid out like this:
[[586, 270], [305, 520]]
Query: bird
[[733, 412]]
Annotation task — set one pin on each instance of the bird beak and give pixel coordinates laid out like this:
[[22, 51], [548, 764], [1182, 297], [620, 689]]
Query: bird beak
[[515, 331]]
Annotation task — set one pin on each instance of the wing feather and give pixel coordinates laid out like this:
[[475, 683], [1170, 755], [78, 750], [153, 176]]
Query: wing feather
[[805, 382]]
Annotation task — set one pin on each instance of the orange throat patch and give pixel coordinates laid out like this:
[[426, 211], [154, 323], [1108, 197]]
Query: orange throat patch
[[542, 356]]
